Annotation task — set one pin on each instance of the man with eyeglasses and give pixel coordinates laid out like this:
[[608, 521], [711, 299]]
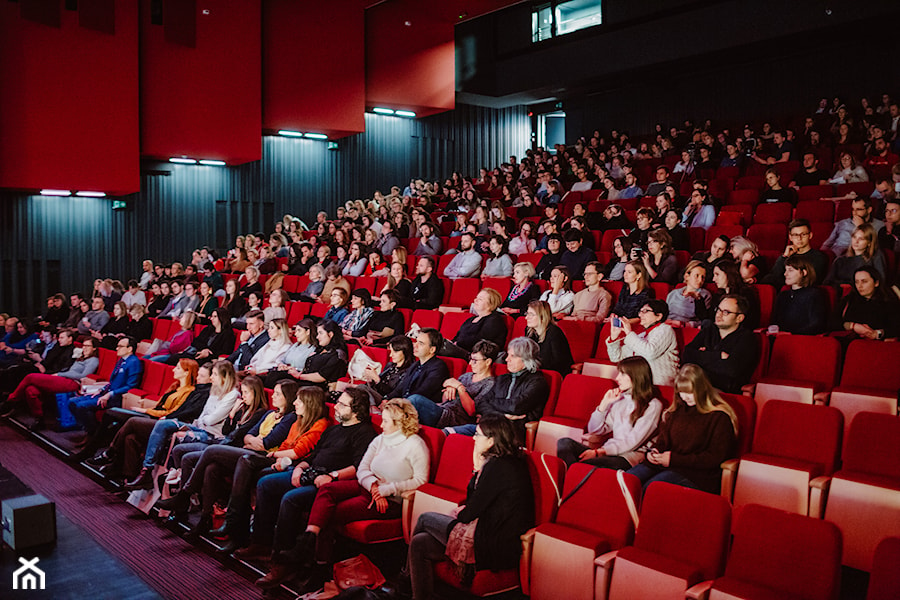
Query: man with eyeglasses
[[125, 376], [798, 243], [725, 350], [889, 235]]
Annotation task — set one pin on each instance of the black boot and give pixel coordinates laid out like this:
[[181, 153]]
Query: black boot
[[104, 457], [201, 528], [179, 503], [221, 533], [144, 480]]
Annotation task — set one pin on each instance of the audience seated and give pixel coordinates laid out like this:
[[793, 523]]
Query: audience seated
[[724, 349], [656, 343], [554, 351], [800, 308]]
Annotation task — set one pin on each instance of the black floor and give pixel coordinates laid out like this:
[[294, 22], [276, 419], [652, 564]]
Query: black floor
[[75, 567]]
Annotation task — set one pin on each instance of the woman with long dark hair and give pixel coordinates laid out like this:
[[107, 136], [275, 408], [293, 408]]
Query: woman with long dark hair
[[499, 506]]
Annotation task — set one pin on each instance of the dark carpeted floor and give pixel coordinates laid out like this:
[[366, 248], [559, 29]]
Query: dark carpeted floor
[[168, 564]]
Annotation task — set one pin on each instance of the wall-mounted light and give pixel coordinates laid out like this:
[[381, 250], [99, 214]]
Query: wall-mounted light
[[183, 161], [56, 193], [91, 194], [289, 133], [213, 163], [390, 112], [315, 136]]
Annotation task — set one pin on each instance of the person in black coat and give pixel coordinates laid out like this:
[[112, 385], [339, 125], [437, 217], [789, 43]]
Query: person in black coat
[[726, 351], [801, 309], [486, 324], [423, 383], [500, 495], [427, 289], [523, 290], [555, 352], [216, 339], [259, 337]]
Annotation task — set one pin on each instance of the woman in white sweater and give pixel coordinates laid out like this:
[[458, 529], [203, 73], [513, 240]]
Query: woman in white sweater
[[656, 343], [397, 461], [560, 296], [271, 354], [620, 428]]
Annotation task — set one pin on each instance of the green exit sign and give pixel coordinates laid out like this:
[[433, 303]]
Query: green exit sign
[[119, 205]]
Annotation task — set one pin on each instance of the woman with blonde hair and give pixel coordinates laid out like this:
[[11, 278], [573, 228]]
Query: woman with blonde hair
[[487, 323], [268, 357], [698, 433], [554, 350], [746, 255], [863, 250], [395, 462], [523, 290]]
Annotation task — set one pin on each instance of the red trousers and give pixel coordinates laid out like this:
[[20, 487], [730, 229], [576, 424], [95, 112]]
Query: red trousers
[[346, 501], [35, 384]]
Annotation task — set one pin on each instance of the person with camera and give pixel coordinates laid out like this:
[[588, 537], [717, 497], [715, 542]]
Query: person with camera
[[283, 498]]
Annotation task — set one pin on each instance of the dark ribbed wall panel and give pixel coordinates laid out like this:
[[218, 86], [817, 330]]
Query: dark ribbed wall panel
[[83, 238]]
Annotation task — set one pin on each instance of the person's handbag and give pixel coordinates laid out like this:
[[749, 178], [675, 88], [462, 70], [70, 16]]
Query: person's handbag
[[461, 550], [359, 363], [358, 571]]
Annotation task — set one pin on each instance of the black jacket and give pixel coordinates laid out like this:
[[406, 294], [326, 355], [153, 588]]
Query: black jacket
[[526, 395], [193, 405], [729, 362], [240, 358], [502, 499], [555, 351], [427, 380], [427, 294]]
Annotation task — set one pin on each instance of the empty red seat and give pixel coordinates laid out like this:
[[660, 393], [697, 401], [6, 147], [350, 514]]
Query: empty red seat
[[426, 317], [779, 212], [814, 192], [863, 497], [463, 291], [884, 580], [451, 323], [560, 555], [800, 367], [578, 397], [776, 554], [582, 337], [815, 211], [769, 236], [793, 444], [682, 541]]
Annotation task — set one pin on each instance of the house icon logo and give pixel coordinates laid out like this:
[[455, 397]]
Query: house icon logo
[[28, 576]]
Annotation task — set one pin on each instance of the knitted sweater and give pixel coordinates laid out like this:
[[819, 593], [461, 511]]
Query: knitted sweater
[[396, 463]]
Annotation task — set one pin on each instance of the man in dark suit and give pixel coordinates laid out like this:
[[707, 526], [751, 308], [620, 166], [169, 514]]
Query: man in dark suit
[[424, 381], [257, 337], [125, 376]]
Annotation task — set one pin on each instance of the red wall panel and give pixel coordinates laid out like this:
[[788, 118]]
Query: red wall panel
[[410, 60], [69, 103], [203, 102], [314, 66]]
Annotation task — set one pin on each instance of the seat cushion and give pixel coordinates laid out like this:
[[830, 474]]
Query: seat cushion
[[689, 573], [374, 531], [485, 583]]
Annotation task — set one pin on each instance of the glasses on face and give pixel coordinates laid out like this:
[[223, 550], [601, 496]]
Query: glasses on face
[[804, 234], [345, 404], [645, 310], [479, 434], [475, 359], [726, 312]]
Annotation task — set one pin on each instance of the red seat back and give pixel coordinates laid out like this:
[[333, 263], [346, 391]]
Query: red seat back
[[425, 317], [779, 212], [582, 336], [579, 396], [789, 555], [873, 445], [463, 291], [744, 408], [455, 466], [579, 512], [451, 323], [867, 357], [688, 525], [805, 358], [769, 236], [804, 432]]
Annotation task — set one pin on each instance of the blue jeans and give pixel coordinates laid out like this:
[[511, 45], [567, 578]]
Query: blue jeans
[[461, 429], [280, 510], [84, 410], [648, 474], [162, 431], [429, 412], [160, 359]]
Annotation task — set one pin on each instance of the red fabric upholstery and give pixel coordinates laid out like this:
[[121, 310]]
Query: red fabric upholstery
[[769, 236], [555, 381], [805, 358], [802, 432], [451, 322], [744, 196], [812, 193], [884, 581], [579, 513], [463, 291], [501, 284], [779, 212], [151, 379], [873, 445], [776, 554], [427, 318], [745, 409], [455, 466], [717, 230], [579, 396], [582, 337], [865, 357], [686, 525]]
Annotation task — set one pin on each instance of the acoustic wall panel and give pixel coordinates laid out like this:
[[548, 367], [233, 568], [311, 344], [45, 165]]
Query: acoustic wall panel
[[203, 101], [314, 66], [69, 103]]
